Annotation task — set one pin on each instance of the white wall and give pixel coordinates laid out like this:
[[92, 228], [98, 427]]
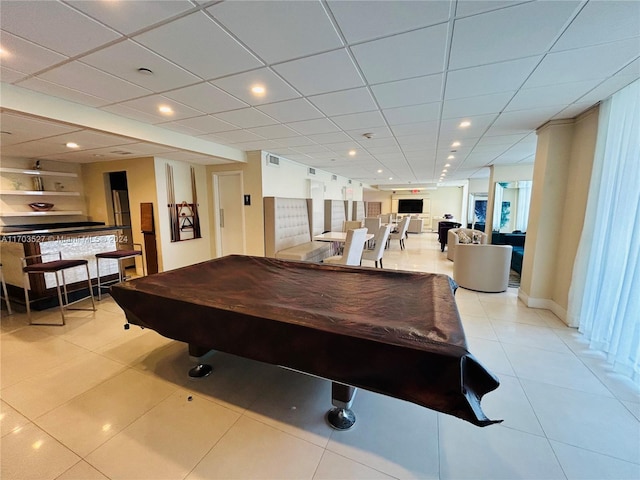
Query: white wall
[[187, 252], [290, 180]]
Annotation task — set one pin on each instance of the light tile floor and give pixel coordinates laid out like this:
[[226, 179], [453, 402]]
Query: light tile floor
[[93, 401]]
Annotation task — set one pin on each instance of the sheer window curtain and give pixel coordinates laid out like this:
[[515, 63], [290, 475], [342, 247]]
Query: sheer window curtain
[[604, 300], [524, 201]]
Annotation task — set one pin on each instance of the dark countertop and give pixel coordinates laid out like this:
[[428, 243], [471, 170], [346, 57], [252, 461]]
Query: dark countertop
[[14, 232]]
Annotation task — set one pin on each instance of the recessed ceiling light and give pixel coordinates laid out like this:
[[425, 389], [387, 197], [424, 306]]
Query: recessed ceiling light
[[447, 164], [455, 144], [98, 155], [444, 171], [167, 110], [72, 145], [352, 153], [258, 90], [451, 157], [380, 171], [390, 178], [3, 52], [465, 124]]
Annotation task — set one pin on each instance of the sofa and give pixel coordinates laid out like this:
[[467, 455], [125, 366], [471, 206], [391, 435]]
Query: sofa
[[416, 225], [516, 240], [287, 231], [454, 238]]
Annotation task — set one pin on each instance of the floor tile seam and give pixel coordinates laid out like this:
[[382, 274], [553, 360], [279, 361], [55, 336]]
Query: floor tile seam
[[276, 426], [329, 449], [54, 438], [536, 347], [119, 432], [597, 372], [325, 450], [596, 452], [565, 387]]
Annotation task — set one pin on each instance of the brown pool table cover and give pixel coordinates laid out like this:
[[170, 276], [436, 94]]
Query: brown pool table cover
[[391, 332]]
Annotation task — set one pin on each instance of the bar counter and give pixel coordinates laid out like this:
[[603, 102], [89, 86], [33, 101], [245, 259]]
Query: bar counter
[[80, 240]]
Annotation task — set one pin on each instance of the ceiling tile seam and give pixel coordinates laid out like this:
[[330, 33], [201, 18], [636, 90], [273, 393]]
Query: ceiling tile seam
[[123, 37], [606, 79], [496, 9], [374, 39], [364, 80], [443, 84]]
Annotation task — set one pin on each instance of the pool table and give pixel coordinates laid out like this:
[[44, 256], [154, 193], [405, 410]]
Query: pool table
[[392, 332]]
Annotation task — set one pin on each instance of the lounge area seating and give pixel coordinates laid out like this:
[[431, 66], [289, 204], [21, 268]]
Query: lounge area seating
[[483, 268], [287, 231], [516, 240], [456, 236]]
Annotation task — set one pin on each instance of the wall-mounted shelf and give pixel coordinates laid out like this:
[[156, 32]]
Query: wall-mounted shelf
[[37, 172], [39, 193], [41, 214]]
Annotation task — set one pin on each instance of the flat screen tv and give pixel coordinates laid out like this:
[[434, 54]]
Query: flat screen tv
[[410, 205]]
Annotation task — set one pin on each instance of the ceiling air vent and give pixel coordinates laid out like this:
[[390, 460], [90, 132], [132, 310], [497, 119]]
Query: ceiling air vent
[[334, 178], [273, 161], [311, 171]]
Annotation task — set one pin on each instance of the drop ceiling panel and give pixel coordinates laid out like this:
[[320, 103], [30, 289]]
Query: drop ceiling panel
[[347, 101], [597, 62], [328, 138], [312, 127], [206, 97], [479, 40], [129, 17], [322, 73], [206, 124], [359, 120], [378, 132], [479, 105], [59, 91], [473, 7], [303, 28], [150, 105], [425, 129], [402, 93], [240, 87], [380, 62], [274, 132], [291, 110], [607, 88], [24, 129], [10, 76], [54, 25], [27, 57], [412, 114], [525, 120], [95, 82], [132, 113], [364, 20], [246, 118], [293, 142], [125, 58], [237, 136], [602, 22], [558, 94], [488, 79], [184, 41]]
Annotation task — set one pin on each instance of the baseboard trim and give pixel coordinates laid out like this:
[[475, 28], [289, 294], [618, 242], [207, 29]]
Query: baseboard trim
[[545, 304]]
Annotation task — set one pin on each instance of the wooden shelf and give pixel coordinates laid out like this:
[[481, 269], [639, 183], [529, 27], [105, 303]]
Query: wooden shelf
[[37, 172], [40, 193], [41, 214]]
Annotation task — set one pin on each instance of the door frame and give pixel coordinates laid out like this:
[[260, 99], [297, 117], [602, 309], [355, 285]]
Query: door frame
[[215, 176]]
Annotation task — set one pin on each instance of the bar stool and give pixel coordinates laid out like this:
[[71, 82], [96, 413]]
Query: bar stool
[[4, 291], [118, 255], [55, 266]]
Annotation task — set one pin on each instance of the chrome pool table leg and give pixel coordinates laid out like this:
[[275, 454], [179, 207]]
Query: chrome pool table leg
[[341, 417], [201, 370]]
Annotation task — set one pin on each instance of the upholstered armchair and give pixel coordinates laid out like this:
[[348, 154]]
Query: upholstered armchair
[[484, 268], [456, 236]]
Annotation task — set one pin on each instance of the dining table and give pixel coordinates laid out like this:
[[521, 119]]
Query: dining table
[[338, 239]]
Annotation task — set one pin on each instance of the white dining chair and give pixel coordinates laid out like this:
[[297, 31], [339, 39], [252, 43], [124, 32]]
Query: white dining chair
[[401, 233], [380, 240], [353, 248]]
